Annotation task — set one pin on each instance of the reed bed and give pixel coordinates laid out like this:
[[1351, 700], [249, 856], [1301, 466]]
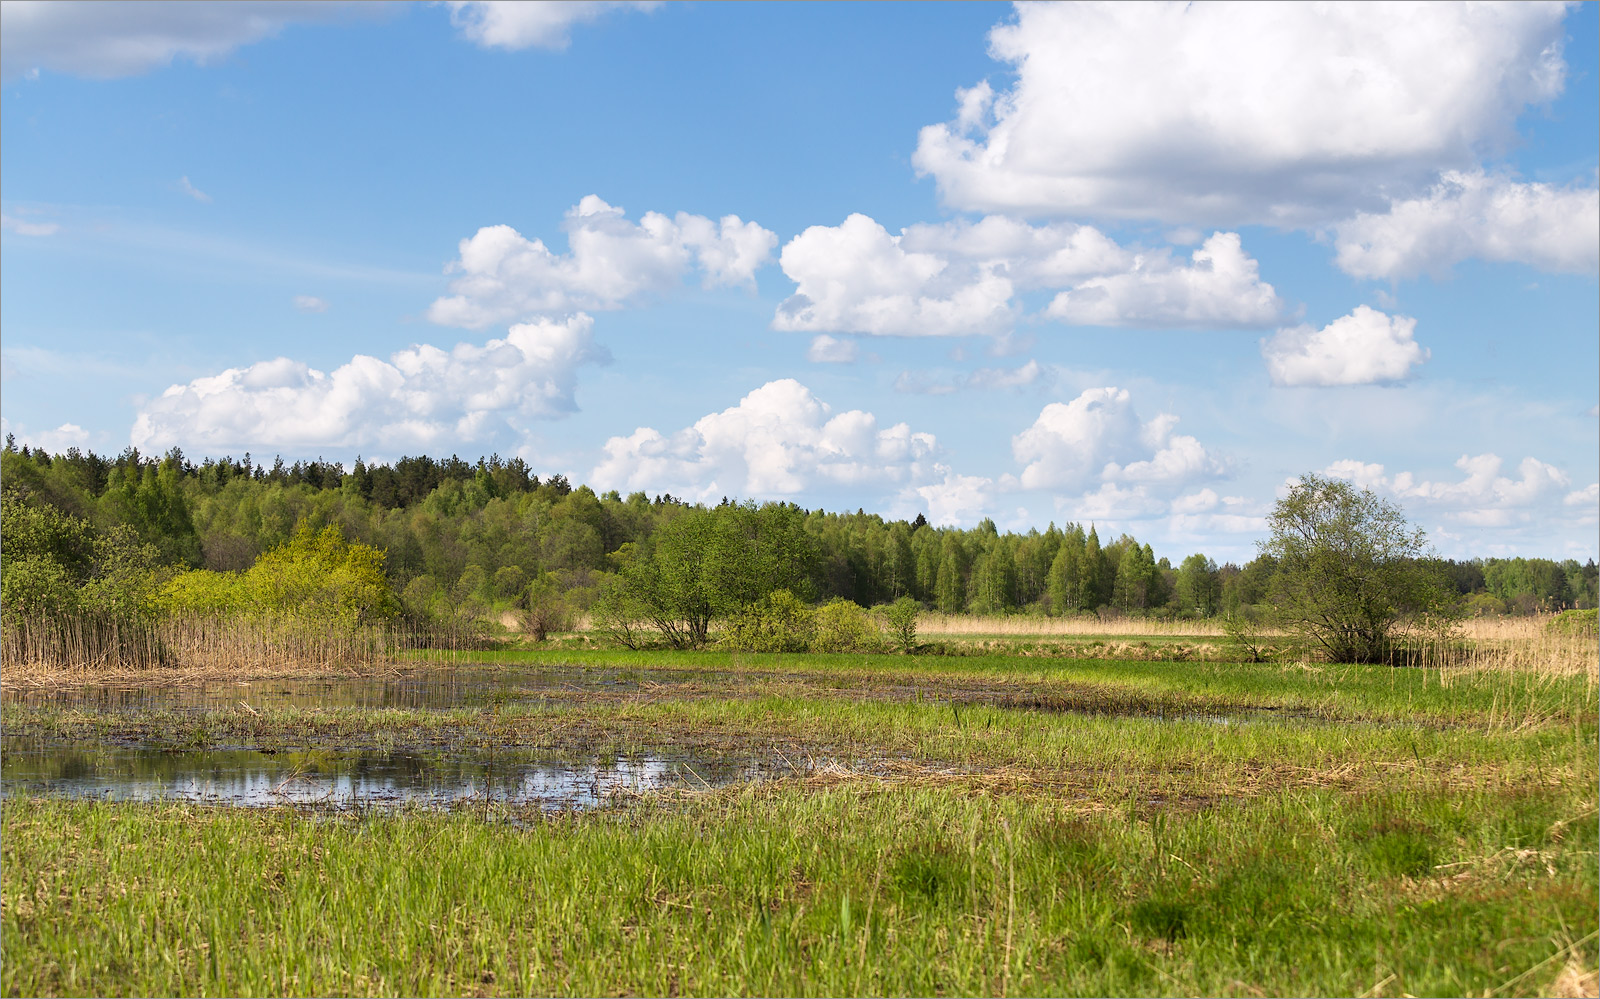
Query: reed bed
[[86, 645], [1037, 627]]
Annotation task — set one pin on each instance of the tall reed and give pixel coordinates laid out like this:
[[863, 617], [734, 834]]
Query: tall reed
[[86, 643]]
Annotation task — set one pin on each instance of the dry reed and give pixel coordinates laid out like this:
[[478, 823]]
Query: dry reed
[[1043, 627], [37, 649]]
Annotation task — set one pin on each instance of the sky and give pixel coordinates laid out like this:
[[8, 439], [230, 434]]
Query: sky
[[1140, 265]]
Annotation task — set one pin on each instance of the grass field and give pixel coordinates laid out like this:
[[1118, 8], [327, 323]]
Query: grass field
[[975, 824]]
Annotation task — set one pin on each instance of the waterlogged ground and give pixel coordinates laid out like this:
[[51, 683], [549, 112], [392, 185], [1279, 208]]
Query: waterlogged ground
[[237, 742], [587, 823]]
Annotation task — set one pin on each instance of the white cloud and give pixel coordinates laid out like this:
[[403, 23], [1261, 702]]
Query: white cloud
[[497, 24], [962, 278], [1474, 215], [107, 40], [1098, 438], [420, 397], [956, 499], [1230, 114], [826, 349], [1359, 349], [1222, 288], [57, 441], [856, 278], [310, 303], [1588, 496], [1482, 498], [504, 276], [780, 440], [23, 227]]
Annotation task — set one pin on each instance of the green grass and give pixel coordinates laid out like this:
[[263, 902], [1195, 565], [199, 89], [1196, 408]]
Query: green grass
[[1353, 830], [838, 890]]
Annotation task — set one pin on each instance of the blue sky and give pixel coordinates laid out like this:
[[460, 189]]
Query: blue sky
[[1135, 265]]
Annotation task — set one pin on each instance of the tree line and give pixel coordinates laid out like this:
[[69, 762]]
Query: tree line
[[466, 539]]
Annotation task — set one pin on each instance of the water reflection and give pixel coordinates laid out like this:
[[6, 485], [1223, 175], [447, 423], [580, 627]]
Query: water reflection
[[355, 779]]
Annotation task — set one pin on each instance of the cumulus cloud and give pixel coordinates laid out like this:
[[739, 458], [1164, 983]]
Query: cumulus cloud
[[1483, 497], [310, 303], [498, 24], [1474, 214], [1231, 114], [104, 40], [780, 440], [963, 278], [420, 397], [1359, 349], [504, 276], [23, 227], [857, 278], [1098, 438], [1222, 287], [956, 499], [68, 435]]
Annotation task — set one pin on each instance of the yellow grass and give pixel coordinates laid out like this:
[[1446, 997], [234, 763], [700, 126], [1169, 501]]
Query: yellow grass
[[1045, 627]]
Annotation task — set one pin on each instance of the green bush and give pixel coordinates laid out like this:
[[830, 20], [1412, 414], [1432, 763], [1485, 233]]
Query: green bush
[[901, 617], [841, 625], [1577, 622], [780, 622]]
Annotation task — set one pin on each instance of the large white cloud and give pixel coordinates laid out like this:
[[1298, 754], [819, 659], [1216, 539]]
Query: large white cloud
[[780, 440], [503, 276], [1098, 439], [857, 278], [963, 278], [1235, 113], [420, 397], [112, 39], [1483, 497], [1359, 349], [517, 24], [1220, 287], [1474, 214]]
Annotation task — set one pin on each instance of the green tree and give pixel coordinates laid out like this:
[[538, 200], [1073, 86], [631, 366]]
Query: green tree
[[1199, 586], [1349, 567]]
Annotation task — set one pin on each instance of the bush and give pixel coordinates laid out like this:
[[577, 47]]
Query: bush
[[1576, 622], [780, 622], [842, 626], [901, 616]]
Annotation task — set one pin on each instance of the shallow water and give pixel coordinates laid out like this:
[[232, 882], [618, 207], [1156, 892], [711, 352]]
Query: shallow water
[[339, 779], [437, 689]]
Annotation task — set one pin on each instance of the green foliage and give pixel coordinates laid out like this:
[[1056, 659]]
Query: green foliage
[[779, 622], [56, 564], [1349, 566], [901, 617], [315, 573], [1199, 588], [1577, 622], [543, 608], [842, 625], [707, 565]]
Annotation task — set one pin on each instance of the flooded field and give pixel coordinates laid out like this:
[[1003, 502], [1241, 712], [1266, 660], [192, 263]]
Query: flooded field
[[309, 742], [340, 780]]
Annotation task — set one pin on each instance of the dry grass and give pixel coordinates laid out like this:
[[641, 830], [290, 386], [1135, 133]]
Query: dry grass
[[1525, 645], [52, 651], [1045, 627]]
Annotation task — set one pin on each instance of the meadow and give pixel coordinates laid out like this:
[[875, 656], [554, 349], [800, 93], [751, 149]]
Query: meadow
[[1003, 819]]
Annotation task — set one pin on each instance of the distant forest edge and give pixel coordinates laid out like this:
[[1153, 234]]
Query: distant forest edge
[[426, 540]]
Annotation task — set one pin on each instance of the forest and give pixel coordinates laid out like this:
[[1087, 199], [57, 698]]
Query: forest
[[432, 539]]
